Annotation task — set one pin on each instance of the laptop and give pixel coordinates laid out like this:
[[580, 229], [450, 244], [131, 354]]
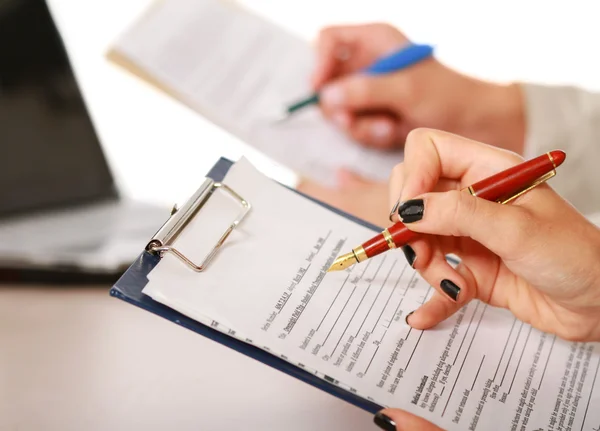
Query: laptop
[[60, 210]]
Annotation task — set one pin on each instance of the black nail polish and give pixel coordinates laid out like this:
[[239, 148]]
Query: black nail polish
[[384, 422], [407, 316], [450, 289], [394, 209], [410, 255], [411, 210]]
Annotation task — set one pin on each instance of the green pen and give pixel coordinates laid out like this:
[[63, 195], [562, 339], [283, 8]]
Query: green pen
[[400, 59]]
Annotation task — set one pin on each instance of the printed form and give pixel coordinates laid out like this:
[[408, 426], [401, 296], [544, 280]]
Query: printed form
[[240, 71], [268, 286]]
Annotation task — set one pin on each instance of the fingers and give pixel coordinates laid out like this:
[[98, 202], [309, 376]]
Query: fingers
[[420, 249], [454, 287], [332, 49], [320, 192], [381, 131], [336, 52], [435, 310], [445, 279], [400, 420], [377, 131], [441, 306], [345, 49], [453, 290], [458, 214], [363, 106], [354, 194], [431, 155], [396, 185], [359, 92]]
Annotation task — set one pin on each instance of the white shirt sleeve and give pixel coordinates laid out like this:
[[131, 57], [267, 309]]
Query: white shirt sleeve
[[567, 118], [595, 218]]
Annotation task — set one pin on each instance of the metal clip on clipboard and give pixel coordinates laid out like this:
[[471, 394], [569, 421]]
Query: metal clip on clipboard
[[162, 241]]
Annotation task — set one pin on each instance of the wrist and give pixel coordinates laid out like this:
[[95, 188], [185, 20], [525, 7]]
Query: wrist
[[496, 115]]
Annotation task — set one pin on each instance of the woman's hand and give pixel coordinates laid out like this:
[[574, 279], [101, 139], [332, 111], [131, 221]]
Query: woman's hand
[[353, 194], [379, 111], [537, 257], [399, 420]]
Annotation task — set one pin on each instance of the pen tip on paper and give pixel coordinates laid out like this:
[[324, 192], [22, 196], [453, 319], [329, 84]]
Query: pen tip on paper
[[343, 262]]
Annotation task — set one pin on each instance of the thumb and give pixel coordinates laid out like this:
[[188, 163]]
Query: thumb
[[457, 213], [359, 92], [400, 420]]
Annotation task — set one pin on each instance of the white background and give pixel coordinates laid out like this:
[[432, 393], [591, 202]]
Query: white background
[[160, 150]]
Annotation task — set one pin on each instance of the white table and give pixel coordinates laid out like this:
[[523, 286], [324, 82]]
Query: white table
[[76, 359]]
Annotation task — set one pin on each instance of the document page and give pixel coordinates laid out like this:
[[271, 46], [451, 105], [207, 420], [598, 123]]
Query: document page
[[268, 286], [241, 71]]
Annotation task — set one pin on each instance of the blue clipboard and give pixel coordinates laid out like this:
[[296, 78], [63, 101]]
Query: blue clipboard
[[129, 289]]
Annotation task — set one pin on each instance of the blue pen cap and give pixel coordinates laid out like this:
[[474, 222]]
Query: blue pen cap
[[403, 58]]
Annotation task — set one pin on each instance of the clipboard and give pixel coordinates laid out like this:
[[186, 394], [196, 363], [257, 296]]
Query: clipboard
[[129, 287]]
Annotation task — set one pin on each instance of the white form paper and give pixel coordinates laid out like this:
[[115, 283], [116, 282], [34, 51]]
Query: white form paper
[[480, 369], [240, 71]]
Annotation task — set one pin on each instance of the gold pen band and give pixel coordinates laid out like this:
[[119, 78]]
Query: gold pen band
[[470, 190], [359, 253], [536, 183], [388, 238], [551, 159]]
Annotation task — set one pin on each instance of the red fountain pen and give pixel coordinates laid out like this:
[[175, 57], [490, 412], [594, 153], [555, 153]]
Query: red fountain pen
[[502, 188]]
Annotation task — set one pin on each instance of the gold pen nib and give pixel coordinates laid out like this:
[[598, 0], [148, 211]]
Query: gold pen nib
[[343, 262]]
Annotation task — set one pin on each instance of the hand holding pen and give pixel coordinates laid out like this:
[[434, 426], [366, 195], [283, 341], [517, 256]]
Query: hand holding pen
[[536, 256], [401, 58], [378, 111], [501, 187]]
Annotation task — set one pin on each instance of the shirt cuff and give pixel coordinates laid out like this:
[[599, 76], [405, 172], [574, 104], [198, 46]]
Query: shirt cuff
[[566, 118]]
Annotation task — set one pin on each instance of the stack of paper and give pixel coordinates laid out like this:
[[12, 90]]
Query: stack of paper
[[241, 71]]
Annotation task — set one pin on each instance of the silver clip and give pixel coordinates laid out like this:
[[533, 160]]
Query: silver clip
[[180, 217]]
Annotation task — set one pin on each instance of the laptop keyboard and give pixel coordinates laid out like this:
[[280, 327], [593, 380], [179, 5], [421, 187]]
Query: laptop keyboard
[[118, 227]]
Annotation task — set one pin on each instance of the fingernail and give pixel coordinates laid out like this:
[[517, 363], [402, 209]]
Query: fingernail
[[384, 422], [381, 130], [410, 255], [394, 209], [407, 316], [332, 95], [411, 211], [341, 119], [450, 289]]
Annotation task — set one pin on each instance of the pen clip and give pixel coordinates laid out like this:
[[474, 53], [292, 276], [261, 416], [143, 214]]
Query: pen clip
[[536, 183]]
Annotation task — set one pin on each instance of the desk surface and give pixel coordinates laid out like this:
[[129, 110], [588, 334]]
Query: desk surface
[[78, 359]]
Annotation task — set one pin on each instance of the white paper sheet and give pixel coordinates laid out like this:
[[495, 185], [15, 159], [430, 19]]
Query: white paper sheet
[[240, 71], [480, 369]]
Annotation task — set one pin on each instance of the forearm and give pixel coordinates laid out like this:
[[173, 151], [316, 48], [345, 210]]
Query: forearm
[[567, 118]]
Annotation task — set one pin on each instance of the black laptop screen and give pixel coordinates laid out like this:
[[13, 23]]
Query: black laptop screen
[[49, 153]]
